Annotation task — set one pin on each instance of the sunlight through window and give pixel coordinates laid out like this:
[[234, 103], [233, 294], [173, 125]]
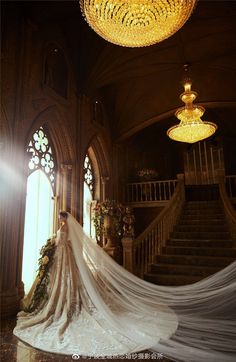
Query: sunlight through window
[[38, 223], [88, 197], [39, 204]]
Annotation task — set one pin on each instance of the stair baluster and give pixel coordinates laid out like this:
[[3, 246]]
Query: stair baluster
[[229, 211], [150, 242]]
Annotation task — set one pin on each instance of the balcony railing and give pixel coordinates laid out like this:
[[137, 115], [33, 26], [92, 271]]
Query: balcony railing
[[150, 191], [230, 185], [139, 253]]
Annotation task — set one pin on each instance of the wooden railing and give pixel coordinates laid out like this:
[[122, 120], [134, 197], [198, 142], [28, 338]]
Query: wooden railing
[[230, 184], [150, 191], [230, 212], [141, 252]]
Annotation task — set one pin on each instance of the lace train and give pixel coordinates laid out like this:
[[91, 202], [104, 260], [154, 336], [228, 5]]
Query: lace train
[[70, 323]]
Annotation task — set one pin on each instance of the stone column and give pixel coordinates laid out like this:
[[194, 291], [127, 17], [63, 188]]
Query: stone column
[[12, 202], [105, 180], [56, 210], [65, 187]]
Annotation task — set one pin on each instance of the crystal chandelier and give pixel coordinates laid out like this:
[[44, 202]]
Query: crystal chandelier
[[191, 128], [136, 23]]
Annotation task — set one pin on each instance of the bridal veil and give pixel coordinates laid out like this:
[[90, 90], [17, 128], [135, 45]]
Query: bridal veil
[[121, 313], [194, 323]]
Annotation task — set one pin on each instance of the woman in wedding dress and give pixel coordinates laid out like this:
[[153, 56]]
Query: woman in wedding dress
[[70, 321], [97, 308]]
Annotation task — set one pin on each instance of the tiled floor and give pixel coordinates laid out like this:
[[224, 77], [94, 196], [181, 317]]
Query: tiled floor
[[13, 350]]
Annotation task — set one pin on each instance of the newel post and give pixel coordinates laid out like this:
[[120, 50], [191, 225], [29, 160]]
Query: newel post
[[128, 240], [128, 252], [180, 177]]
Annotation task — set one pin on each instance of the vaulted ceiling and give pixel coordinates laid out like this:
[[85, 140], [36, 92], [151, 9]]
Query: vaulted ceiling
[[141, 86]]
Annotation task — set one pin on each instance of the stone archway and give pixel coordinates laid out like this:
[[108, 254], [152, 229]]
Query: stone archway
[[99, 155], [64, 154]]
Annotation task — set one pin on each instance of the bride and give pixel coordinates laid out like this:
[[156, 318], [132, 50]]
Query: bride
[[94, 307]]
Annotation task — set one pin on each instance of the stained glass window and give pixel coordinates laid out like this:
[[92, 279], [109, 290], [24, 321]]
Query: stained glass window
[[40, 153], [88, 173]]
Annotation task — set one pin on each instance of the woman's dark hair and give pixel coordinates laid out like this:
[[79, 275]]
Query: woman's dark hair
[[63, 214]]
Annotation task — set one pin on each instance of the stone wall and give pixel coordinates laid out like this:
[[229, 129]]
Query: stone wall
[[32, 96]]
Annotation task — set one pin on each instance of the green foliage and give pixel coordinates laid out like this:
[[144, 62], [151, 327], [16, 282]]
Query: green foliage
[[112, 208], [45, 261]]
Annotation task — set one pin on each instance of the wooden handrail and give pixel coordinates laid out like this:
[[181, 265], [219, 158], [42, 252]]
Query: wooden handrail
[[229, 211], [149, 244], [140, 253]]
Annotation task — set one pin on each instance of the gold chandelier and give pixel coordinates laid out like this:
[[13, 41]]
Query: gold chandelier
[[191, 128], [136, 23]]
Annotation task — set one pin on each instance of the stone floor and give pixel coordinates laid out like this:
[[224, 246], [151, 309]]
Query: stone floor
[[13, 350]]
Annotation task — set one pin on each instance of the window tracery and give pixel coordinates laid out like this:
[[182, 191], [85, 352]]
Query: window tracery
[[88, 173], [41, 156]]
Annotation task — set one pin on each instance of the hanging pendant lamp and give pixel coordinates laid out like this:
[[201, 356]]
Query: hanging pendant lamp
[[191, 128], [136, 23]]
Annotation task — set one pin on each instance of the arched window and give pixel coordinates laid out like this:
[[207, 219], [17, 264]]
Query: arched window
[[88, 173], [40, 154], [88, 196], [39, 203]]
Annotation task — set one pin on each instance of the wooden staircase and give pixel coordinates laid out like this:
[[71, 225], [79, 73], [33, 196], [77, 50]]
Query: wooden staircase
[[199, 246]]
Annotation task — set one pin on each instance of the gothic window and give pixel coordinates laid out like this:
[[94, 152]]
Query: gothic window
[[88, 174], [88, 196], [41, 156], [39, 206]]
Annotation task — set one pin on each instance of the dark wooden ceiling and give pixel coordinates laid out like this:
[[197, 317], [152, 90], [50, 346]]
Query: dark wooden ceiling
[[141, 86]]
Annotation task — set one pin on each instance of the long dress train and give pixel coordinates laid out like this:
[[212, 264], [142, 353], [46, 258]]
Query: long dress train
[[69, 323], [97, 308]]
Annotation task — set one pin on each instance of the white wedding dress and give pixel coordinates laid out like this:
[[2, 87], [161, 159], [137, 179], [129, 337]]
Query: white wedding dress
[[97, 308], [70, 323]]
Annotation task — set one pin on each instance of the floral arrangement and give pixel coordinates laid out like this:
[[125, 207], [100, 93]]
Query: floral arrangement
[[147, 174], [112, 208], [45, 261]]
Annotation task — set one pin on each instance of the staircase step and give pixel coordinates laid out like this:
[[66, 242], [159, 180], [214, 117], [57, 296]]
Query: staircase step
[[200, 243], [210, 209], [174, 269], [201, 227], [207, 212], [181, 250], [202, 192], [174, 280], [212, 203], [220, 261], [202, 216], [206, 235], [199, 246], [203, 221]]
